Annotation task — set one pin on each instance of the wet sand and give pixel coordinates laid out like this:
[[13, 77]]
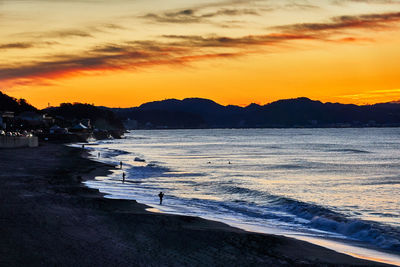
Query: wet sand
[[49, 218]]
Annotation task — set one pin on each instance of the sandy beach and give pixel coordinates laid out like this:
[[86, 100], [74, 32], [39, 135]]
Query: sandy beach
[[49, 218]]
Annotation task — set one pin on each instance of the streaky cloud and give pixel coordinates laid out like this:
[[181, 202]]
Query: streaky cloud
[[185, 49], [195, 16], [179, 50], [223, 41], [379, 2], [15, 46], [87, 31], [25, 45], [367, 21]]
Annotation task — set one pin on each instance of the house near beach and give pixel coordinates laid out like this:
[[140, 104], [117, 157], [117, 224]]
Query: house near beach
[[48, 120], [55, 129], [79, 128], [7, 119]]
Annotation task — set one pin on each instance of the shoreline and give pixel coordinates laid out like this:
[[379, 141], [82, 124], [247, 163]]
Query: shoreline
[[51, 218], [346, 246]]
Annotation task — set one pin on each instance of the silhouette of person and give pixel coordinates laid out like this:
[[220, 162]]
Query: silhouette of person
[[120, 164], [161, 195], [123, 177], [98, 155]]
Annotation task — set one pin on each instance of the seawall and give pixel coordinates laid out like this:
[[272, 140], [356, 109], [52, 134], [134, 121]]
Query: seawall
[[18, 141]]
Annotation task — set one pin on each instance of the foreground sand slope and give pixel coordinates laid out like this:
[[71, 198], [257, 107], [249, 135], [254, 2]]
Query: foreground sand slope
[[48, 218]]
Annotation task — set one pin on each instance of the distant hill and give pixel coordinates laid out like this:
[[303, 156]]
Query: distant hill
[[299, 112], [8, 103]]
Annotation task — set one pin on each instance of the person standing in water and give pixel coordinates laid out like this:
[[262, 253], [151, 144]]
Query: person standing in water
[[120, 164], [123, 177], [161, 195]]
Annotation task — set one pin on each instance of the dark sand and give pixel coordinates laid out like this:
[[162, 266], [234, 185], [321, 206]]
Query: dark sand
[[48, 218]]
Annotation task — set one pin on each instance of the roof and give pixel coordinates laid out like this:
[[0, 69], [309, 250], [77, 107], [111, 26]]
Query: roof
[[79, 126], [55, 127]]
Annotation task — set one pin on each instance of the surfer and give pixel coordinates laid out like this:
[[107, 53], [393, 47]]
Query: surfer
[[161, 195], [120, 164], [123, 177]]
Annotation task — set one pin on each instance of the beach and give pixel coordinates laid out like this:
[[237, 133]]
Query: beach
[[48, 217]]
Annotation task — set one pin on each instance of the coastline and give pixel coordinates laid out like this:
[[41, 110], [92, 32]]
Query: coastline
[[48, 217]]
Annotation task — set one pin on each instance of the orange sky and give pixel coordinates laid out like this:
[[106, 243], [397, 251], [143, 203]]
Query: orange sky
[[124, 53]]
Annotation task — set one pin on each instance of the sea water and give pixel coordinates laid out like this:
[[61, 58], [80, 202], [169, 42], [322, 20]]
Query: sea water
[[328, 184]]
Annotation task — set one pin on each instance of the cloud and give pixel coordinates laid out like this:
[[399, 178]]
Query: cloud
[[88, 31], [185, 49], [15, 46], [195, 16], [374, 95], [369, 21], [68, 33], [100, 58], [63, 65], [202, 13], [136, 54], [230, 42], [24, 45], [352, 40], [300, 6], [104, 58], [381, 2]]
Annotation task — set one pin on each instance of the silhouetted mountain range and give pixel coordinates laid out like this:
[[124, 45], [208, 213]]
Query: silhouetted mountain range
[[299, 112], [204, 113]]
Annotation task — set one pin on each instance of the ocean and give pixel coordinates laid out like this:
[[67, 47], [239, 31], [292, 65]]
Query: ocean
[[329, 184]]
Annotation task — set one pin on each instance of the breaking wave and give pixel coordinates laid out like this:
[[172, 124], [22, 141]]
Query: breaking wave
[[315, 217]]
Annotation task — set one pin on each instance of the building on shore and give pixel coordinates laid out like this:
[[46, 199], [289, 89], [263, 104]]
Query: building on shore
[[55, 129], [79, 128], [7, 119]]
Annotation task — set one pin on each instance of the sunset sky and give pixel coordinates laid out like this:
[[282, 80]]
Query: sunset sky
[[122, 53]]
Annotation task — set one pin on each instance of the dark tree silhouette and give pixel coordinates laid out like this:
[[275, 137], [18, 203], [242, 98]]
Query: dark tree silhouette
[[17, 106], [100, 118]]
